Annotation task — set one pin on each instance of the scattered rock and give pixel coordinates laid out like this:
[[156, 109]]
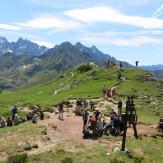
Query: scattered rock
[[44, 131], [34, 145], [24, 146], [117, 149], [45, 138], [108, 154]]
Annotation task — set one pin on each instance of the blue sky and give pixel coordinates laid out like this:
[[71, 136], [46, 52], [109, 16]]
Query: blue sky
[[126, 29]]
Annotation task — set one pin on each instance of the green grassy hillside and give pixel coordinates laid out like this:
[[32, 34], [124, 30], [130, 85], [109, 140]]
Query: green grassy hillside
[[75, 84]]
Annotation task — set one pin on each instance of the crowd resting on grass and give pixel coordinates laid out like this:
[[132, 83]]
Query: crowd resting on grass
[[92, 117], [15, 119]]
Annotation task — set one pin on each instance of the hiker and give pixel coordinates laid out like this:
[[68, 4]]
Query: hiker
[[2, 122], [14, 112], [34, 119], [97, 113], [92, 106], [112, 114], [60, 109], [85, 119], [16, 120], [78, 108], [9, 122], [113, 92], [109, 92], [78, 102], [29, 116], [22, 120], [92, 121], [120, 104], [85, 104], [41, 115], [104, 90]]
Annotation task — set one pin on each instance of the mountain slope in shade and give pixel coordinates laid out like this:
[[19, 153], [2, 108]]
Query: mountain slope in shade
[[21, 47]]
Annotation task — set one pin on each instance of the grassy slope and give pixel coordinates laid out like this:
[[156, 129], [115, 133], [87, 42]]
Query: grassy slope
[[89, 84]]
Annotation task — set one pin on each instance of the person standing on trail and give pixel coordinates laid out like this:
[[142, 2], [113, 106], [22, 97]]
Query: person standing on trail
[[85, 119], [14, 112], [120, 105], [113, 92], [60, 109]]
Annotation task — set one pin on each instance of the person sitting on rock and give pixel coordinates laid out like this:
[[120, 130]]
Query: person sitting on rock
[[92, 106], [2, 122], [97, 113], [34, 119], [16, 120], [28, 116], [9, 122], [41, 115], [112, 114]]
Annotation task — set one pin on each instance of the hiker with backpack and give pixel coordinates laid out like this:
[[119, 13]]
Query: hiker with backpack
[[60, 109]]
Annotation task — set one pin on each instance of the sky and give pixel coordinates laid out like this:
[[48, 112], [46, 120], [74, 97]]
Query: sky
[[128, 30]]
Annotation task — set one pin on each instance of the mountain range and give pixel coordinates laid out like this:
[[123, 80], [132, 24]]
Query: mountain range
[[24, 62], [157, 70], [21, 47]]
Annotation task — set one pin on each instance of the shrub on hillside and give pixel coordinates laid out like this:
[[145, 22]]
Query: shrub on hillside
[[19, 158], [67, 160], [84, 67]]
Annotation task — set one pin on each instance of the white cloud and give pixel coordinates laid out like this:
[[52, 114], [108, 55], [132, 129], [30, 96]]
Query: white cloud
[[43, 43], [131, 42], [158, 12], [110, 15], [9, 27], [50, 22]]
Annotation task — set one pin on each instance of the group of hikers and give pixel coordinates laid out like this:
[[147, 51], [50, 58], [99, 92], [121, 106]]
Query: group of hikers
[[108, 92], [34, 114], [92, 120], [15, 119]]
